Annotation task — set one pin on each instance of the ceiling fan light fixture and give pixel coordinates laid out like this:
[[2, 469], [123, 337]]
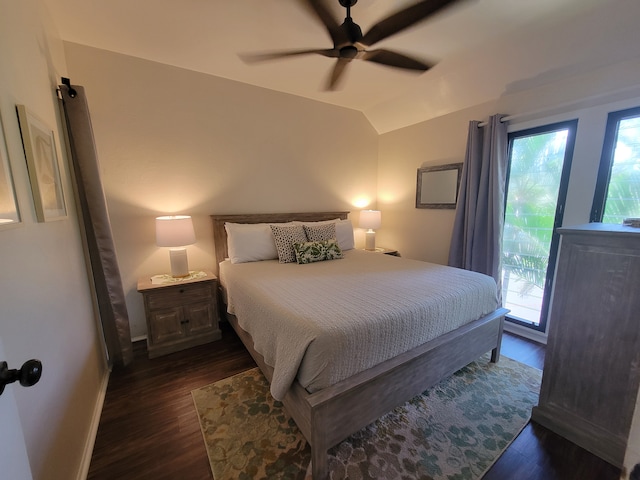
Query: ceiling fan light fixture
[[349, 52]]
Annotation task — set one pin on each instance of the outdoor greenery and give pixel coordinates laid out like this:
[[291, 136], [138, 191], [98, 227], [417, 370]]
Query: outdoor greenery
[[534, 182], [623, 195]]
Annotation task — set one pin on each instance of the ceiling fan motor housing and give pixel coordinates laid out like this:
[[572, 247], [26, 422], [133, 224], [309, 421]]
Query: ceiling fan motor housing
[[352, 30]]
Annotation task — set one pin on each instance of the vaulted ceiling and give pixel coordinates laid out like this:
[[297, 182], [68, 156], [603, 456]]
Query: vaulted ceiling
[[482, 48]]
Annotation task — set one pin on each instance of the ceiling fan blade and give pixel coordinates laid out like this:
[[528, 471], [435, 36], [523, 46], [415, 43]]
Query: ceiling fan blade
[[394, 59], [262, 57], [338, 35], [403, 19], [337, 73]]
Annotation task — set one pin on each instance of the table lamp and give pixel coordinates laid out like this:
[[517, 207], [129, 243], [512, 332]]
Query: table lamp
[[176, 232], [370, 219]]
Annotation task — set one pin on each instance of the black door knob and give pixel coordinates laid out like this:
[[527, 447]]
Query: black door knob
[[28, 375]]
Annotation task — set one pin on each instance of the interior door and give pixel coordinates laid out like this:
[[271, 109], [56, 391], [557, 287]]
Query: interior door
[[13, 454]]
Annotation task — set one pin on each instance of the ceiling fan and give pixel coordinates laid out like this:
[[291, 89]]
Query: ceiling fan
[[350, 44]]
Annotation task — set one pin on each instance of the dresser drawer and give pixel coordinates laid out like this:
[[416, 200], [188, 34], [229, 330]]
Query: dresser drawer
[[182, 294]]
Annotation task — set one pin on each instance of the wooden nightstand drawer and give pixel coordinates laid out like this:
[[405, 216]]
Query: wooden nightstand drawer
[[180, 315], [169, 296]]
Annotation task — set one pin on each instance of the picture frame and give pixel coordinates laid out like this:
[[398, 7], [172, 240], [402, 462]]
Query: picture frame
[[39, 146], [437, 187], [9, 210]]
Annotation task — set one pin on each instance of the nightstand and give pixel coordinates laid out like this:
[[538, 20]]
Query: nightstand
[[180, 314], [385, 251]]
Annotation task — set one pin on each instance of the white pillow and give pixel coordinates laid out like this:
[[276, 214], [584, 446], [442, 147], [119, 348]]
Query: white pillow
[[344, 235], [250, 242], [344, 232]]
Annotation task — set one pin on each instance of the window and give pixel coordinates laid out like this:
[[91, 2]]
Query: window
[[617, 194], [539, 164]]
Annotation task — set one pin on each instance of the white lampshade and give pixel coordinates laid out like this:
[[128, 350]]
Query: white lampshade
[[176, 231], [370, 219]]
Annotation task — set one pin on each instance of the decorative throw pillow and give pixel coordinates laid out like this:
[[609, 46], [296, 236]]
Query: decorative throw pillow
[[285, 237], [309, 252], [318, 233], [332, 249], [344, 231]]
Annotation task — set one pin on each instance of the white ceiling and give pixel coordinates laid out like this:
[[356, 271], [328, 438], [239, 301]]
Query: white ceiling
[[483, 47]]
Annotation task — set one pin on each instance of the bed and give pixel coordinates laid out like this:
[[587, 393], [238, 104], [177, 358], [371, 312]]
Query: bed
[[326, 398]]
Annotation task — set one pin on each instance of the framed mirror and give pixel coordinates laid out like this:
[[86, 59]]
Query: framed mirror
[[437, 187]]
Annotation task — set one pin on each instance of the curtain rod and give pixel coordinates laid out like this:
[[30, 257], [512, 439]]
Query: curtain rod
[[574, 103], [66, 81]]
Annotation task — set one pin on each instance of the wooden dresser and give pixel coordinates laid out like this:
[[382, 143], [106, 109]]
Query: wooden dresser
[[592, 362], [180, 315]]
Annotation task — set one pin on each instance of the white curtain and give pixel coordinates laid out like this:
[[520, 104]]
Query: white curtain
[[96, 226], [476, 243]]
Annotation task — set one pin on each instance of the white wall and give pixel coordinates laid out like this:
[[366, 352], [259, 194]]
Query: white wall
[[45, 304], [175, 141]]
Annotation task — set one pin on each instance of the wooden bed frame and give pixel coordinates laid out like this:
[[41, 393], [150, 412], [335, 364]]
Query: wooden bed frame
[[330, 415]]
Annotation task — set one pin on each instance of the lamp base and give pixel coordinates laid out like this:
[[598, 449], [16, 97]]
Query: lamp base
[[179, 262], [370, 240]]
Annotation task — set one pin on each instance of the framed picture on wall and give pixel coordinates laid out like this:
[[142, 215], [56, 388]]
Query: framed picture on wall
[[9, 213], [42, 163], [437, 187]]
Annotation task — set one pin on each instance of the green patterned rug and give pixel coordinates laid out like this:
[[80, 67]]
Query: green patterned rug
[[454, 431]]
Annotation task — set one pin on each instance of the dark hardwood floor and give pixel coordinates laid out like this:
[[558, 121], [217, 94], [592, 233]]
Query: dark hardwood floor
[[149, 428]]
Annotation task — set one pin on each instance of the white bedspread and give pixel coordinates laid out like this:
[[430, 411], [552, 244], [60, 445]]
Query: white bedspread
[[323, 322]]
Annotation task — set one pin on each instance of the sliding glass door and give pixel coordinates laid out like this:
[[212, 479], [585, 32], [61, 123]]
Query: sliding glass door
[[539, 164]]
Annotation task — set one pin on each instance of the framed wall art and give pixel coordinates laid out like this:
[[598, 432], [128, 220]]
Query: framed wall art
[[42, 163], [9, 213], [437, 187]]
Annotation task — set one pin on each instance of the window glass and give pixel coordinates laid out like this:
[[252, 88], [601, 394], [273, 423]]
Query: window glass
[[539, 162], [618, 190]]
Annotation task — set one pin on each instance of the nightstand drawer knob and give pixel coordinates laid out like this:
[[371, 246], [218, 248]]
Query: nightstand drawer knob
[[182, 290], [184, 321]]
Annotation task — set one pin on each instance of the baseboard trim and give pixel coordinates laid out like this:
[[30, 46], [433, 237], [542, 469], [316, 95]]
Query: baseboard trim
[[83, 471], [525, 332]]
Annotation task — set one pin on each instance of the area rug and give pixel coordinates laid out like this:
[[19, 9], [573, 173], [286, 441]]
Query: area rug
[[455, 430]]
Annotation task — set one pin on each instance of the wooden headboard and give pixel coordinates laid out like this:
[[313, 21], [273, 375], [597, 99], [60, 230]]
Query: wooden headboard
[[220, 235]]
